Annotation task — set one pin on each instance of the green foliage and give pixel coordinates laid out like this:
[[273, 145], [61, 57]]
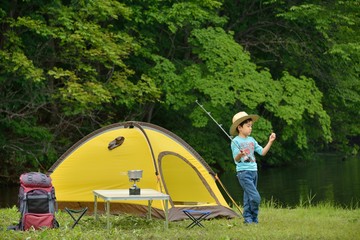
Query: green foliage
[[227, 77], [173, 86], [57, 66], [70, 67], [317, 40], [78, 97], [15, 62], [301, 97], [32, 151], [189, 14]]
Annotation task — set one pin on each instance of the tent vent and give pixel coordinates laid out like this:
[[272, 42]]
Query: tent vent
[[116, 143]]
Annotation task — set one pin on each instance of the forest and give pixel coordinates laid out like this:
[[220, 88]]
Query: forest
[[69, 67]]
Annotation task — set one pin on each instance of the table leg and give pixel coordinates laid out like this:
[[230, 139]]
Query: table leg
[[149, 209], [108, 214], [166, 214], [95, 207]]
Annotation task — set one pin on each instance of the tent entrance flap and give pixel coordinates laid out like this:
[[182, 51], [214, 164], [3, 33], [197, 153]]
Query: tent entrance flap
[[184, 182]]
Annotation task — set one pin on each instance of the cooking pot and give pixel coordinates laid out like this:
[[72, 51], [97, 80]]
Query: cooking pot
[[135, 174]]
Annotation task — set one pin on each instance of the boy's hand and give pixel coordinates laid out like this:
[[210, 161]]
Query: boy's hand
[[272, 137], [241, 153]]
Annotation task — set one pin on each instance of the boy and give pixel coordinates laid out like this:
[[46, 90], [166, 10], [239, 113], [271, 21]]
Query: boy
[[243, 147]]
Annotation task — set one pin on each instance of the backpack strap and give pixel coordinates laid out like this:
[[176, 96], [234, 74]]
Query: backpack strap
[[23, 209], [23, 205], [51, 203]]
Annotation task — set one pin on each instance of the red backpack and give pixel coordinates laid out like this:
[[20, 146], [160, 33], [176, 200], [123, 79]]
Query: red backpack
[[37, 202]]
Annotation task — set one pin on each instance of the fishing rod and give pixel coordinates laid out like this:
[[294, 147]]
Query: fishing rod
[[231, 139], [209, 114], [219, 125]]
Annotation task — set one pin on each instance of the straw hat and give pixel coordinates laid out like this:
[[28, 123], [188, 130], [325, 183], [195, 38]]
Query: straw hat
[[239, 118]]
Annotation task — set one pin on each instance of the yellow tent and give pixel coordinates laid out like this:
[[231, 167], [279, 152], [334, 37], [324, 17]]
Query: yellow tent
[[102, 160]]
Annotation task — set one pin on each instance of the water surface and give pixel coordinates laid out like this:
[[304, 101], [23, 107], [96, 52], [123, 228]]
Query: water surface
[[328, 178]]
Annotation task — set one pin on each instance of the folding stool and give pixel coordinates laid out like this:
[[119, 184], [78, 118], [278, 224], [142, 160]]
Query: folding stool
[[196, 216], [71, 212]]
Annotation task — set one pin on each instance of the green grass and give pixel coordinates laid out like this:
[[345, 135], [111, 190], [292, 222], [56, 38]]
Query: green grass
[[322, 221]]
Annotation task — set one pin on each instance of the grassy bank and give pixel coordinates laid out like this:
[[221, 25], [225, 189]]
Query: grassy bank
[[316, 222]]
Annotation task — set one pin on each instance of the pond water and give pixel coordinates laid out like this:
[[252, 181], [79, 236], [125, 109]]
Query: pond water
[[326, 179], [8, 196]]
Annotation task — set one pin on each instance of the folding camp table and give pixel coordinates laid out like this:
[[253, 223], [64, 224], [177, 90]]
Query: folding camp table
[[123, 194], [196, 216]]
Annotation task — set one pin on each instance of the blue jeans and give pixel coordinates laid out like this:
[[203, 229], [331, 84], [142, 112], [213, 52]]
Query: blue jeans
[[248, 181]]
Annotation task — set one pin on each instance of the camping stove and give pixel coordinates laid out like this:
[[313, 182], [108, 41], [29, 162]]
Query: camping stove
[[134, 176]]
